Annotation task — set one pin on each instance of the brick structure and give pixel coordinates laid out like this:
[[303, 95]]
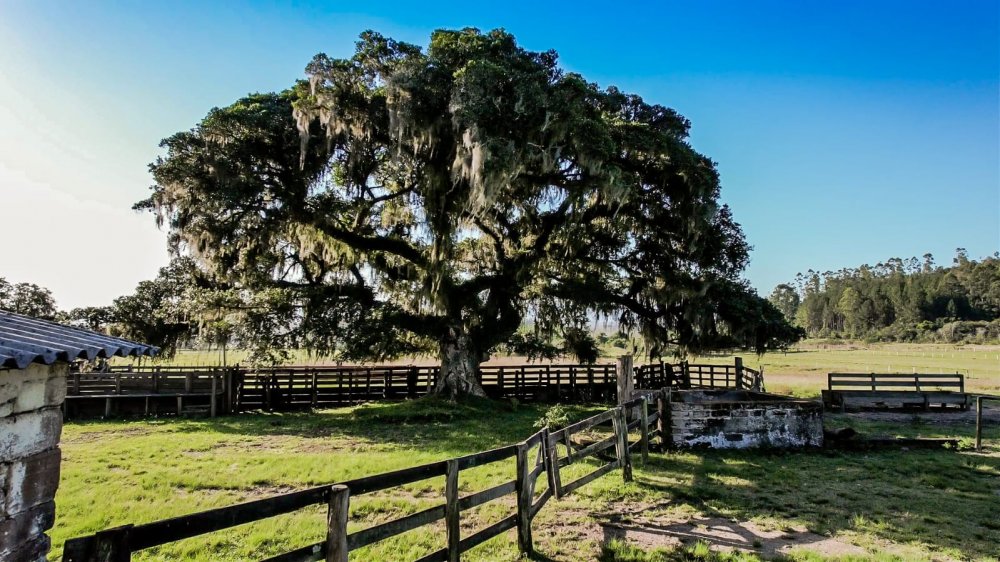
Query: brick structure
[[738, 419], [34, 362]]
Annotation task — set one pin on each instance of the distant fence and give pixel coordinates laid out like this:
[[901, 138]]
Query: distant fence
[[156, 389], [535, 456], [689, 375]]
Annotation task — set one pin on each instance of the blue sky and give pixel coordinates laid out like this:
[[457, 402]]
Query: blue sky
[[845, 132]]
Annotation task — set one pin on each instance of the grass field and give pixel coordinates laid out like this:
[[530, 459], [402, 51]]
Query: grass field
[[802, 370], [887, 505]]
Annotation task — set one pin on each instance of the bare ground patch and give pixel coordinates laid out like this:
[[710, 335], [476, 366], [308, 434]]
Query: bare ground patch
[[652, 526]]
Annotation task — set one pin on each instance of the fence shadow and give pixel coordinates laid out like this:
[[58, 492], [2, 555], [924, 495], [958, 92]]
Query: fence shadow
[[944, 499]]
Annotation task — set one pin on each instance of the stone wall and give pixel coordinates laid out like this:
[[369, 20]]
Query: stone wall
[[746, 424], [30, 424]]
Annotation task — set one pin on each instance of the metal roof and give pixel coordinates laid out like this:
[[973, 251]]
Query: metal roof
[[25, 340]]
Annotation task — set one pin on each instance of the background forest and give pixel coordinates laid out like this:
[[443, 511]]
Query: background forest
[[909, 300]]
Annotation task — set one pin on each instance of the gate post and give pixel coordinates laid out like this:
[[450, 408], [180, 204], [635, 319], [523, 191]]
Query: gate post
[[625, 377]]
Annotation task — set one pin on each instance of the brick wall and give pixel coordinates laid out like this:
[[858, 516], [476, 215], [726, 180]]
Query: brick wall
[[739, 425], [30, 424]]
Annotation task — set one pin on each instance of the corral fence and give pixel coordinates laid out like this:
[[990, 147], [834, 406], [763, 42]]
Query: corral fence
[[536, 456], [686, 375], [159, 389]]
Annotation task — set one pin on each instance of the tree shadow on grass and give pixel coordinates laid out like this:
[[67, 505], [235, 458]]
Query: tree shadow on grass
[[943, 499]]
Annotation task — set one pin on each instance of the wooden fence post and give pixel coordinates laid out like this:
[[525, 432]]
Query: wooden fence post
[[739, 372], [644, 429], [979, 423], [451, 510], [621, 443], [411, 382], [214, 397], [227, 390], [112, 545], [552, 458], [336, 523], [663, 418], [522, 487], [625, 377]]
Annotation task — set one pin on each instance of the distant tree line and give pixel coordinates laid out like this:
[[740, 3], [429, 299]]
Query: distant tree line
[[898, 300], [158, 312]]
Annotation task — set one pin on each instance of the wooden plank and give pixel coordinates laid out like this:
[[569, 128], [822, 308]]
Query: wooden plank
[[382, 531], [524, 494], [186, 526], [979, 423], [452, 511], [644, 430], [436, 556], [893, 383], [584, 480], [593, 448], [336, 523], [112, 545], [487, 495], [487, 533], [621, 431], [590, 422], [486, 457], [540, 502]]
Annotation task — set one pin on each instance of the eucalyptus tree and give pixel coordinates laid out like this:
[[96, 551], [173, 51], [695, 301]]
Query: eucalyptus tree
[[409, 198]]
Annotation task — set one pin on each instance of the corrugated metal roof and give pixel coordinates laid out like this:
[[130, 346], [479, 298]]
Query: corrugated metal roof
[[25, 340]]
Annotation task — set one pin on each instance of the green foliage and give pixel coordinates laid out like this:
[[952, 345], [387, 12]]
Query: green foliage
[[96, 318], [28, 299], [406, 199], [901, 300], [158, 312], [555, 418]]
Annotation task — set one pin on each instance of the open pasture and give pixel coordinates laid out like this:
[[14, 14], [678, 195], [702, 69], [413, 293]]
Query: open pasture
[[880, 505], [802, 370]]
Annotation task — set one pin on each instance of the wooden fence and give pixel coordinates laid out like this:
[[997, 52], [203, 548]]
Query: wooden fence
[[694, 375], [201, 389], [154, 389], [535, 456]]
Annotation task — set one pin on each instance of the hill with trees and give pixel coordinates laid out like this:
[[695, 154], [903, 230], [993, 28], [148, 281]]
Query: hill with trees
[[898, 300]]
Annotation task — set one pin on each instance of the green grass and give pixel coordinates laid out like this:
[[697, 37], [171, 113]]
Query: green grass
[[118, 472], [926, 503], [802, 370]]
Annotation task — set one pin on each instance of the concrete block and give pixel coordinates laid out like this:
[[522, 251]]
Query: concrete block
[[55, 390], [32, 481], [29, 389], [29, 433], [33, 550], [25, 527]]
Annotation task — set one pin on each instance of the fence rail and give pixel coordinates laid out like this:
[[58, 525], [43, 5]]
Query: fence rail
[[535, 456], [237, 389], [698, 375]]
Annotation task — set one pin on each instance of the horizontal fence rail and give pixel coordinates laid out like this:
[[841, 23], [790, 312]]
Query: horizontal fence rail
[[158, 389], [534, 457]]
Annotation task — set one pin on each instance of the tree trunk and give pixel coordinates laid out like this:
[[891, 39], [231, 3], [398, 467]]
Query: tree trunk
[[459, 366]]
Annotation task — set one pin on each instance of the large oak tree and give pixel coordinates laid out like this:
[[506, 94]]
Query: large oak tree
[[406, 197]]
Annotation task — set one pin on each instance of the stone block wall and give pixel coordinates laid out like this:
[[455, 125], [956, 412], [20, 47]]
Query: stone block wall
[[740, 425], [30, 425]]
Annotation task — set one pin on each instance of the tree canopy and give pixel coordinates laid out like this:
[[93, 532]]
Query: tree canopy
[[408, 199], [27, 298], [906, 300]]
